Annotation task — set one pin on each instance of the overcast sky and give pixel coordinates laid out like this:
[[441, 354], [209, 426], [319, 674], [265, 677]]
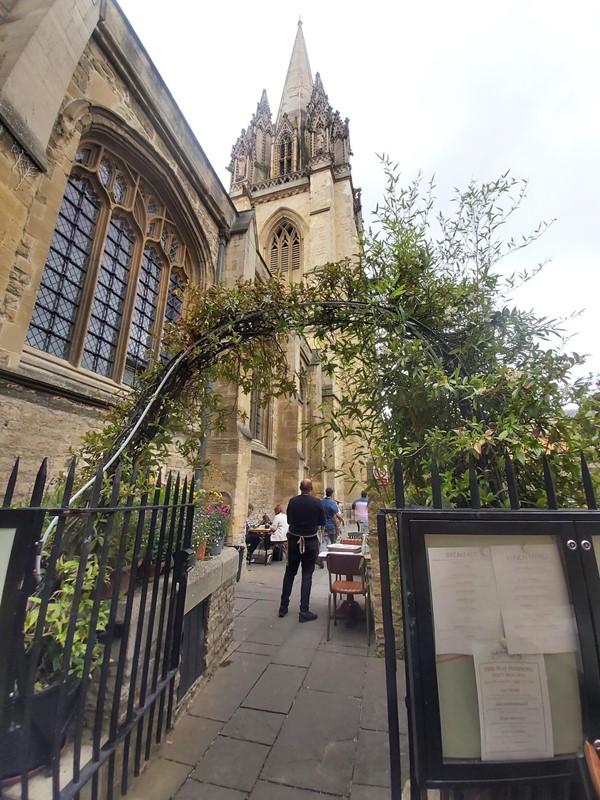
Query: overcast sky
[[461, 90]]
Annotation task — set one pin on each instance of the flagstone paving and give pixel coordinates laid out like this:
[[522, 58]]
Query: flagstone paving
[[287, 716]]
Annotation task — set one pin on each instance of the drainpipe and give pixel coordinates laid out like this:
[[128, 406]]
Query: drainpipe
[[220, 258]]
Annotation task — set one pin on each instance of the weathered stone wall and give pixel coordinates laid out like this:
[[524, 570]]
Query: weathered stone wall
[[261, 483], [41, 43], [219, 625], [214, 579], [37, 426]]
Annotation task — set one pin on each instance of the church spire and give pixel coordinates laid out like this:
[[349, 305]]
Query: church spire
[[298, 83]]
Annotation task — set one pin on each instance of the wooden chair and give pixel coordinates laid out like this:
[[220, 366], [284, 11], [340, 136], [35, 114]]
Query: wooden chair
[[347, 576]]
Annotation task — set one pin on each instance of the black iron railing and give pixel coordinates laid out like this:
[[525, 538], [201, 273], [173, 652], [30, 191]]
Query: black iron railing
[[92, 605]]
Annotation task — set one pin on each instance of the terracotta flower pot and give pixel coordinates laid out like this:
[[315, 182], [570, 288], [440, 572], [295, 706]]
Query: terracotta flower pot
[[107, 589], [201, 551]]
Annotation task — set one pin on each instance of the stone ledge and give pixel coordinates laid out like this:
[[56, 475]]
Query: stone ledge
[[207, 576]]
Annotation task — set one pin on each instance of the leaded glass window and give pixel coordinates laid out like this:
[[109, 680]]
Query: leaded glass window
[[83, 155], [260, 419], [305, 414], [115, 274], [284, 251], [59, 295], [119, 191], [144, 315], [105, 172], [177, 284], [111, 290]]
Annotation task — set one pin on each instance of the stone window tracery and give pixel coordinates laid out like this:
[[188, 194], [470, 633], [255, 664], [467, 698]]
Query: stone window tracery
[[116, 271], [284, 249], [260, 419], [285, 155]]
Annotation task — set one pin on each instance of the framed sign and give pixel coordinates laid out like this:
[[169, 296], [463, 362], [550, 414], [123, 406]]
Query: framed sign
[[20, 531], [501, 634]]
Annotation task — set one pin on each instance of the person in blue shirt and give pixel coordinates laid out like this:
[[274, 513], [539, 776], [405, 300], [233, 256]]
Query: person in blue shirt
[[333, 518]]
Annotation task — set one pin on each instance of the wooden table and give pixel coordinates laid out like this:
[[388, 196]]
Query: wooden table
[[262, 531]]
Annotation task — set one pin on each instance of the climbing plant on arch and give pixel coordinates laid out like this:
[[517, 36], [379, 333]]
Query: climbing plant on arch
[[435, 361], [235, 335]]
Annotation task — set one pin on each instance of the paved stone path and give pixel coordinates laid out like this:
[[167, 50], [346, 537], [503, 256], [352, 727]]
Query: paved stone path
[[287, 716]]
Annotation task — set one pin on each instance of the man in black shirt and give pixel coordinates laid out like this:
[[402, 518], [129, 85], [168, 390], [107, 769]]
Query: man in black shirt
[[305, 515]]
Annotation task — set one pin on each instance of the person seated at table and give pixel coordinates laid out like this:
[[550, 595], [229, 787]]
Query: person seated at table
[[250, 521], [252, 538], [265, 521], [279, 527]]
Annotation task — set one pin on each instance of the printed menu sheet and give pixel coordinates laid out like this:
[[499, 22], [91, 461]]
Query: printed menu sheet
[[466, 609], [515, 593], [536, 610], [514, 707]]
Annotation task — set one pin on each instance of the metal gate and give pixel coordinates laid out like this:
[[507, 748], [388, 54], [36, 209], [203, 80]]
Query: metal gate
[[91, 613], [397, 595]]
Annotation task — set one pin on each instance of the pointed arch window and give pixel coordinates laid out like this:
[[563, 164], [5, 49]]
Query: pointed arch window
[[115, 274], [260, 419], [284, 250], [59, 295], [285, 155]]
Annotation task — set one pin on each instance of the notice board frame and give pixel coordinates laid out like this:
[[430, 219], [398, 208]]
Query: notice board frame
[[574, 532], [22, 528]]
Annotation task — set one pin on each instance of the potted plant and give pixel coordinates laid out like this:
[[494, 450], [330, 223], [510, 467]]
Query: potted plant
[[199, 545], [49, 675], [211, 521]]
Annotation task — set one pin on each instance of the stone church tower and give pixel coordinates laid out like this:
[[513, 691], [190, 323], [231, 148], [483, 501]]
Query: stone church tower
[[294, 174]]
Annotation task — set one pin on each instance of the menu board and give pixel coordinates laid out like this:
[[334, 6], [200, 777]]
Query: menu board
[[506, 643]]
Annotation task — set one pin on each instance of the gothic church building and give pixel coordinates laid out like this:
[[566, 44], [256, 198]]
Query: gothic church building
[[109, 209]]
